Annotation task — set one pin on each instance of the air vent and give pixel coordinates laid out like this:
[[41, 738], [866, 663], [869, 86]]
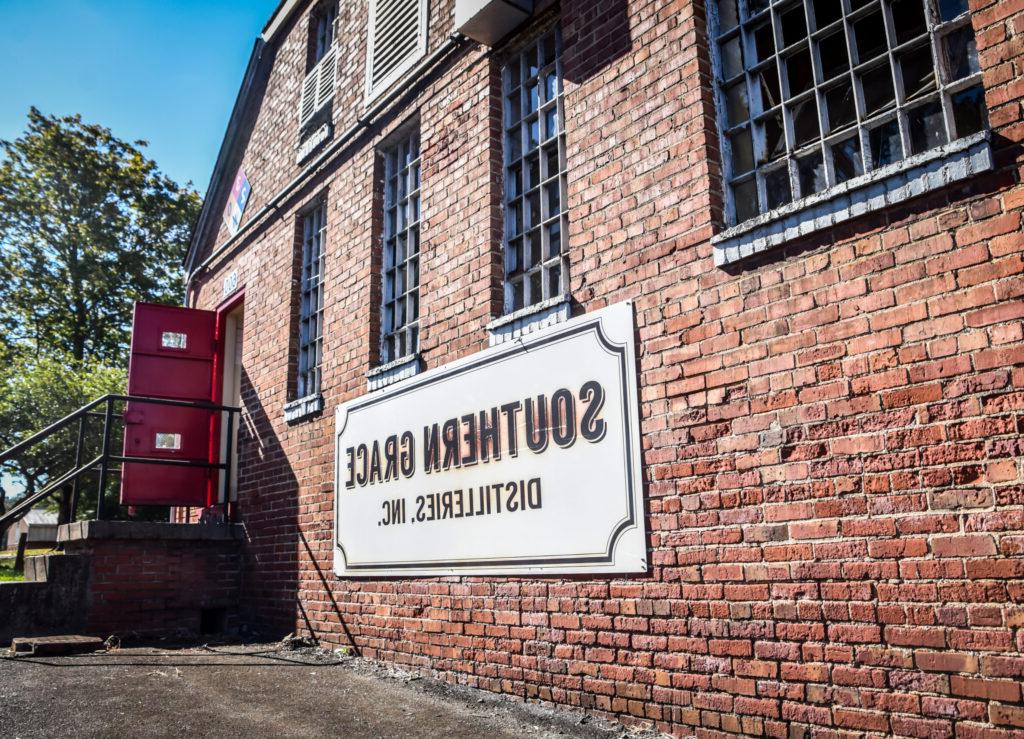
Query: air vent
[[397, 39], [318, 87]]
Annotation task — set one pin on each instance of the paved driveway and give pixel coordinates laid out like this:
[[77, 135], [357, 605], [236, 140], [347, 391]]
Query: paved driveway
[[255, 691]]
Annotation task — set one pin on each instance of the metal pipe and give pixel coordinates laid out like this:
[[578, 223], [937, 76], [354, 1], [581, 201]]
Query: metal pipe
[[453, 42], [108, 414], [78, 465]]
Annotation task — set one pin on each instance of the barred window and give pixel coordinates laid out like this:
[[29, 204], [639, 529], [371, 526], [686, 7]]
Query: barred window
[[311, 306], [400, 303], [813, 93], [535, 175]]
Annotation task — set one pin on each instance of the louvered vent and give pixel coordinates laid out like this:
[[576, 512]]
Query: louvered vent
[[318, 87], [397, 37]]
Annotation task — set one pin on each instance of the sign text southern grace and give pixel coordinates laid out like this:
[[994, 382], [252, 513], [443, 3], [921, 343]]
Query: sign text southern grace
[[521, 459]]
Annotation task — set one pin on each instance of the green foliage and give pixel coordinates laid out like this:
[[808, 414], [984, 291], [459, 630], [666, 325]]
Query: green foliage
[[40, 390], [88, 225]]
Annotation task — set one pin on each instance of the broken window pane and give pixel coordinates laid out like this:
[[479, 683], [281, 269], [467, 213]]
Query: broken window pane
[[908, 19], [918, 72], [846, 159], [961, 54], [969, 113], [950, 9], [870, 34], [885, 144], [794, 25], [811, 169], [768, 78], [777, 188], [878, 91], [826, 12], [774, 137], [764, 42], [756, 6], [805, 122], [799, 73], [833, 54], [927, 128], [840, 103]]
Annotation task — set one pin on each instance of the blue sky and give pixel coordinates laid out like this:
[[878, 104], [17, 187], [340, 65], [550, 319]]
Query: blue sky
[[166, 71]]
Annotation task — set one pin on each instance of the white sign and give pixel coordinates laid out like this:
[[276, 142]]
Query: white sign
[[522, 459], [231, 282]]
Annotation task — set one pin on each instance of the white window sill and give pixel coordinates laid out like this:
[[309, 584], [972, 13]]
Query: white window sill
[[303, 408], [873, 191], [527, 320], [392, 372]]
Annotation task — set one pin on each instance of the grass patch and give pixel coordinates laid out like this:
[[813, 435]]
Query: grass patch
[[7, 559]]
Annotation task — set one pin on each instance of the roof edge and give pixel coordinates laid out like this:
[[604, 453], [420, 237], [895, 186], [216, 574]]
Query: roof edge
[[279, 17]]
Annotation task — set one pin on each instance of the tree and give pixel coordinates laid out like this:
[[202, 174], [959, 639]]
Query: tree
[[88, 225], [39, 390]]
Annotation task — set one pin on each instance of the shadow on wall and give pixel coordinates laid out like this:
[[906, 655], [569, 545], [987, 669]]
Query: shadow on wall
[[268, 506], [595, 34]]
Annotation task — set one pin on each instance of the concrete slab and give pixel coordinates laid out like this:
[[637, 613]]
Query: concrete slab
[[51, 646]]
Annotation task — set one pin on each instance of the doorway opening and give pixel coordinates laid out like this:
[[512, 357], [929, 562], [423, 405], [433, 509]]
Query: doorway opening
[[231, 325]]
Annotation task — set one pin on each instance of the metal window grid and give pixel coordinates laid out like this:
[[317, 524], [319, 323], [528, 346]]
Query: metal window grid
[[311, 306], [400, 301], [535, 175], [811, 93]]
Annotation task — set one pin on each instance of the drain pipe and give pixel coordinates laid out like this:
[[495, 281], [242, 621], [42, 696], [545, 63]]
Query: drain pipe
[[450, 45]]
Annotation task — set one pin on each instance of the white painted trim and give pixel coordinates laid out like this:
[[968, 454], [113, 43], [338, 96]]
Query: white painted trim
[[872, 191]]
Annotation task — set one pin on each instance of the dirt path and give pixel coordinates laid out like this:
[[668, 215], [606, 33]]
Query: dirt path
[[257, 691]]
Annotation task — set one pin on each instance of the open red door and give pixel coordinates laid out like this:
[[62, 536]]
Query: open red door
[[172, 357]]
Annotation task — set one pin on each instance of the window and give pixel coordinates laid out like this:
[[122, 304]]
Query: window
[[311, 301], [323, 25], [400, 300], [814, 93], [318, 86], [398, 37], [535, 179]]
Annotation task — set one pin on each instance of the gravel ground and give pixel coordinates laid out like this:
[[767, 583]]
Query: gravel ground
[[274, 690]]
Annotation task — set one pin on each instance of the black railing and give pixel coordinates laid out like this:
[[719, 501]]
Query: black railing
[[107, 462]]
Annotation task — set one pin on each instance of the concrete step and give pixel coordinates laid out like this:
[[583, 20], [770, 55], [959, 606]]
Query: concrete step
[[50, 646]]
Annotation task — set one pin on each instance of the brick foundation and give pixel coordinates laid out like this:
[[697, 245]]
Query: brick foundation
[[148, 579]]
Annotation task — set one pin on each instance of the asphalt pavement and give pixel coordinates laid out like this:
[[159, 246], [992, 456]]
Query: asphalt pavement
[[258, 691]]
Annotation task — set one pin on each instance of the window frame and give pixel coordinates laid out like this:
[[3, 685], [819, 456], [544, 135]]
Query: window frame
[[401, 197], [310, 338], [516, 195], [822, 143], [323, 30]]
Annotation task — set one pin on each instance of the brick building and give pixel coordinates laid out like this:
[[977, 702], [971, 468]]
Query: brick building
[[814, 211]]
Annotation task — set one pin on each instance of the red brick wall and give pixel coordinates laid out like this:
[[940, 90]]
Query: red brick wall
[[150, 586], [831, 432]]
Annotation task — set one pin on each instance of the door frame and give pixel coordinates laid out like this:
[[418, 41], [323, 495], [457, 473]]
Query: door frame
[[226, 307]]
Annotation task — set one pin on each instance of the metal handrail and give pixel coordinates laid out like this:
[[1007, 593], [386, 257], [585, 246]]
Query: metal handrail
[[106, 457]]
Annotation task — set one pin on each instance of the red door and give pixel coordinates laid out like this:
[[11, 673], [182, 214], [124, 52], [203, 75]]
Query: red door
[[172, 356]]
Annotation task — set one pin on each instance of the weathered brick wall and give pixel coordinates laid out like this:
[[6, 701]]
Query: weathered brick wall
[[149, 579], [831, 432]]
